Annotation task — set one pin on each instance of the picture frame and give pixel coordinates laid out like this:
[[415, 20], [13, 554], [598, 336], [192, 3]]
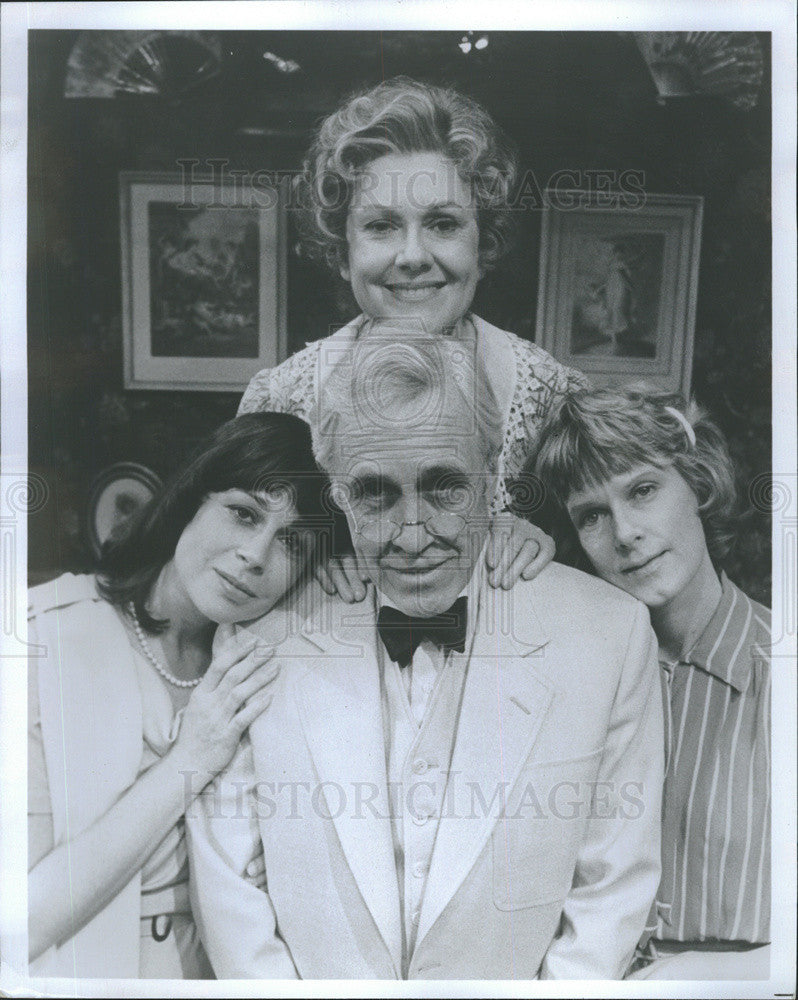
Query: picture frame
[[203, 280], [115, 496], [618, 282]]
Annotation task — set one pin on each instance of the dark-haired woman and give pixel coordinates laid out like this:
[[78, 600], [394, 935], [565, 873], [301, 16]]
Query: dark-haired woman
[[132, 711]]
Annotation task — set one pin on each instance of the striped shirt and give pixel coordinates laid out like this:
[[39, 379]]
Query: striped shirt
[[716, 810]]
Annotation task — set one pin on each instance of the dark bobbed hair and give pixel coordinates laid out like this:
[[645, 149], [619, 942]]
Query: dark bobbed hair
[[590, 436], [255, 452], [403, 115]]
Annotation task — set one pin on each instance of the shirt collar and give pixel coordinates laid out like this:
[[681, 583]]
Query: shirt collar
[[722, 649]]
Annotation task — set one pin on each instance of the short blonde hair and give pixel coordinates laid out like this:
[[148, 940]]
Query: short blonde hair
[[591, 436], [403, 115]]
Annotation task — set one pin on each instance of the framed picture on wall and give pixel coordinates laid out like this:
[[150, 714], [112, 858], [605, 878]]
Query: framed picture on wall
[[115, 496], [203, 281], [618, 285]]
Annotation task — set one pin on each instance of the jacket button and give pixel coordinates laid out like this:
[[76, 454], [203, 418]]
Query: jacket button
[[420, 766]]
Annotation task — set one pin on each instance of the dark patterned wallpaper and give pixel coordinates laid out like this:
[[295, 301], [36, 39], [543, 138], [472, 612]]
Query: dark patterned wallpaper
[[569, 100]]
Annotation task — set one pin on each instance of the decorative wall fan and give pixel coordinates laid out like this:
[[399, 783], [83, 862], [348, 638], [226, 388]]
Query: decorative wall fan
[[725, 64], [158, 63]]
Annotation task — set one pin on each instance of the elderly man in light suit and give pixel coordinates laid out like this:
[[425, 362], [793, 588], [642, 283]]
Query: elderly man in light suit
[[451, 782]]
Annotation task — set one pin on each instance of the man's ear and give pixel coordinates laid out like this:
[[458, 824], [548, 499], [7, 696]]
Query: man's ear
[[343, 263], [481, 269], [340, 494]]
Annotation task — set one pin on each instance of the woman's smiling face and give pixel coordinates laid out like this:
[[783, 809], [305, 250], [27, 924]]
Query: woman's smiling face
[[413, 241]]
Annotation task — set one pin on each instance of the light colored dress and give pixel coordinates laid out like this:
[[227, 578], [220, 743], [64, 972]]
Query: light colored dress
[[526, 380], [98, 717]]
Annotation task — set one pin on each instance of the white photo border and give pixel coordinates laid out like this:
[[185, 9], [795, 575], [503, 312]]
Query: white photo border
[[19, 493]]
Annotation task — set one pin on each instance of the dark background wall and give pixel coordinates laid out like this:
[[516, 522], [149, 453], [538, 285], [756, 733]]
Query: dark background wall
[[570, 100]]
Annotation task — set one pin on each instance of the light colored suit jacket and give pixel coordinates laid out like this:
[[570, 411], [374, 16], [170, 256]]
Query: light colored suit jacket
[[546, 859]]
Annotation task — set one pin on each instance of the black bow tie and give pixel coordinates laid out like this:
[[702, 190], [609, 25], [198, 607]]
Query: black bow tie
[[403, 634]]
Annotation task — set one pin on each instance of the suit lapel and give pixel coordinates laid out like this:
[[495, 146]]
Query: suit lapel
[[341, 711], [504, 703]]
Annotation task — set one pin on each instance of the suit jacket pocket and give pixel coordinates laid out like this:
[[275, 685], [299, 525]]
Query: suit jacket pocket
[[536, 843]]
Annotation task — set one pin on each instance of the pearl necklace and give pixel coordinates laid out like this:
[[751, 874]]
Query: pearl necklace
[[153, 658]]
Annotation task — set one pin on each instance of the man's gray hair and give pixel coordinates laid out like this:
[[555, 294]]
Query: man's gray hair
[[390, 369]]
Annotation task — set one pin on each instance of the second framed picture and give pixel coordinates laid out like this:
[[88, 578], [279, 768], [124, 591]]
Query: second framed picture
[[203, 281], [618, 286]]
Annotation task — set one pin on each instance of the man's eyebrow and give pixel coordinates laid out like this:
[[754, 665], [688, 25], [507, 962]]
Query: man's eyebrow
[[373, 482], [435, 475]]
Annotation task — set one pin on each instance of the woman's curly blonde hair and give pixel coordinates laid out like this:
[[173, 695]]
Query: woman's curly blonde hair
[[403, 115]]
